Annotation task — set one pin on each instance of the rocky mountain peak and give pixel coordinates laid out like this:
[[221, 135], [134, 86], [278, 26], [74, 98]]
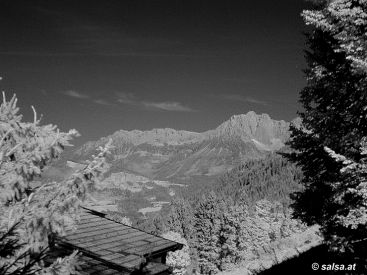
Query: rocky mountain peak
[[252, 126]]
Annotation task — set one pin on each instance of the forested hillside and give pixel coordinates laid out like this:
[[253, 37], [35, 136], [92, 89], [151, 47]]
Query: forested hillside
[[272, 178]]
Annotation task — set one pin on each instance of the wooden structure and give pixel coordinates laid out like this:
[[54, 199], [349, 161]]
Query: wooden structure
[[109, 247]]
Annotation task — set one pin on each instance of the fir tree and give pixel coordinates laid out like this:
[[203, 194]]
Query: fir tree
[[355, 220], [208, 220], [32, 213], [181, 218], [232, 242], [334, 116], [346, 21]]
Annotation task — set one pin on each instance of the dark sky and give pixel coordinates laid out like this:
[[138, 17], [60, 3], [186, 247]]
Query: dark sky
[[101, 66]]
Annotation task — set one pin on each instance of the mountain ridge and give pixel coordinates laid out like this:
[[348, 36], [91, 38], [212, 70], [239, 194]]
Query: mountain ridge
[[248, 127], [169, 154]]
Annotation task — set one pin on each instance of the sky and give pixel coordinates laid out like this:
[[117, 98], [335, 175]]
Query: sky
[[100, 66]]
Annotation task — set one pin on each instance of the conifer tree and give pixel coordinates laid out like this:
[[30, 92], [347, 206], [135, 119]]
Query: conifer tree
[[346, 21], [181, 218], [355, 220], [208, 220], [334, 116], [32, 213], [232, 240]]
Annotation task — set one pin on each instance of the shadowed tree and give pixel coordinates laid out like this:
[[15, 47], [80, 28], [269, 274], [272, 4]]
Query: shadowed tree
[[334, 116]]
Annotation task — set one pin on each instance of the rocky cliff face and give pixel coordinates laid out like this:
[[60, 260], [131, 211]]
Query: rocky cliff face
[[264, 132], [252, 126]]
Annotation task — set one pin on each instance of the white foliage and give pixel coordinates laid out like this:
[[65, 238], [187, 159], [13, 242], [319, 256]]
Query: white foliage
[[179, 260], [357, 172], [346, 21], [34, 212]]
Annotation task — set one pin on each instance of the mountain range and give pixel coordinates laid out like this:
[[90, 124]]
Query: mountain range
[[176, 154], [163, 161]]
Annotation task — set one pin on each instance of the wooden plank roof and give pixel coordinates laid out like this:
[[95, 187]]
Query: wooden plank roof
[[90, 266], [113, 244]]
